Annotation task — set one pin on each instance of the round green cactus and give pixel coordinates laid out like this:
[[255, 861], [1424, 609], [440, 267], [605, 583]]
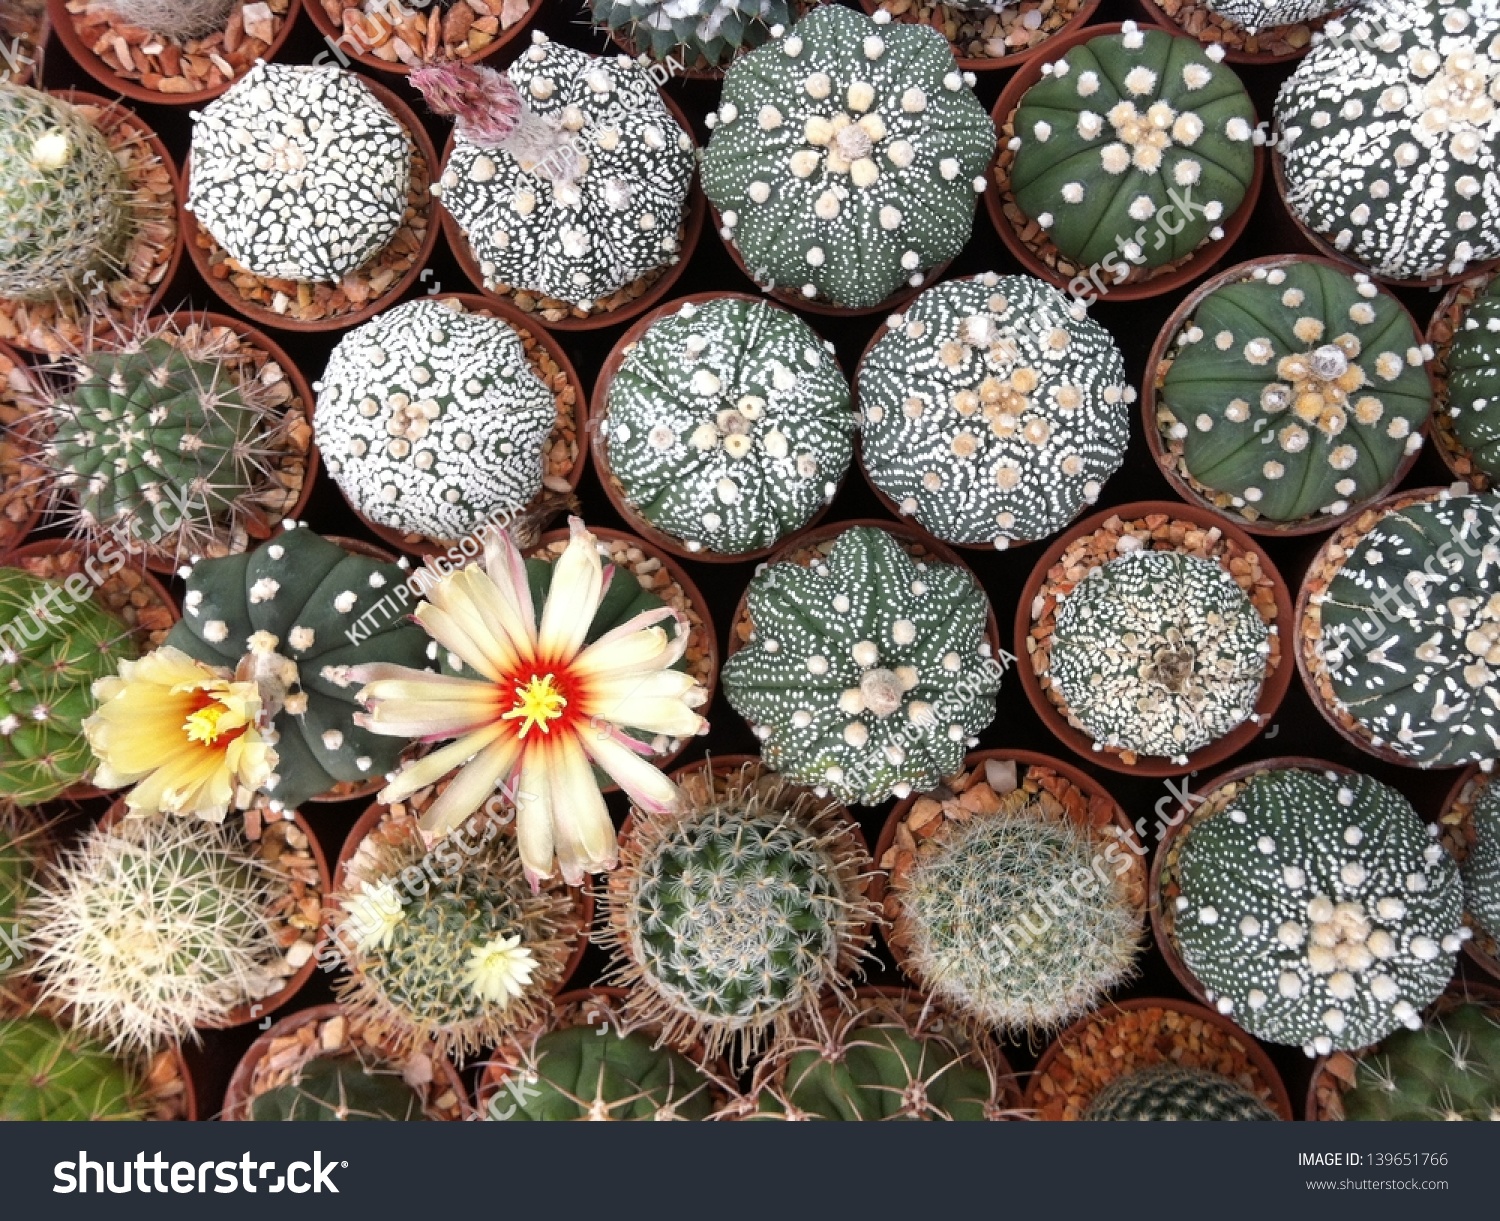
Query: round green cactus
[[1410, 638], [1387, 131], [846, 156], [53, 646], [728, 425], [1448, 1069], [339, 1089], [67, 210], [1171, 1092], [1295, 391], [1473, 390], [1481, 867], [50, 1073], [993, 410], [1159, 653], [702, 33], [867, 673], [23, 849], [432, 421], [1124, 131], [1316, 909]]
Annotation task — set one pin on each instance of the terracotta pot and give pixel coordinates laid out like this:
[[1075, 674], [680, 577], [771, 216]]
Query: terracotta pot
[[1441, 332], [1280, 1102], [349, 46], [599, 441], [1235, 40], [1273, 689], [1454, 818], [238, 1099], [1158, 363], [1154, 284], [16, 420], [263, 315], [970, 63], [82, 54]]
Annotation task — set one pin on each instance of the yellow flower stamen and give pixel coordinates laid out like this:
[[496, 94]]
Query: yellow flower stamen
[[538, 703], [203, 725]]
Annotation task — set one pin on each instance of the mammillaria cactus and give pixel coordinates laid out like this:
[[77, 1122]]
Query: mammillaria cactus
[[339, 1089], [67, 209], [866, 673], [1448, 1069], [53, 646], [1294, 390], [1408, 636], [993, 410], [1159, 653], [1388, 131], [1472, 403], [1314, 908], [1481, 867], [846, 156], [569, 175], [1170, 1092], [299, 172], [728, 425], [694, 32], [173, 18], [1125, 130], [51, 1073], [432, 422]]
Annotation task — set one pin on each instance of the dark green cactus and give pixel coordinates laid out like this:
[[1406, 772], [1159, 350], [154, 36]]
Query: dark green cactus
[[697, 35], [1172, 1092], [49, 1073], [1473, 398], [339, 1089], [22, 850], [1449, 1069], [1481, 867], [1253, 16]]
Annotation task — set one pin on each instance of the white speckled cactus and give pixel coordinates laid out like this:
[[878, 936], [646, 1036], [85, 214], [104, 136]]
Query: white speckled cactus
[[1473, 384], [1316, 909], [694, 32], [729, 425], [1389, 131], [1253, 16], [431, 420], [845, 157], [299, 172], [1481, 868], [993, 410]]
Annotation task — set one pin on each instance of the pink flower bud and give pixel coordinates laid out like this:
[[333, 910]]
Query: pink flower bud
[[485, 106]]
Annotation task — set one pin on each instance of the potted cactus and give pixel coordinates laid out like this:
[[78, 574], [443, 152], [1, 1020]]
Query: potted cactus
[[1471, 832], [694, 40], [1399, 628], [1466, 377], [814, 136], [1167, 1093], [992, 410], [566, 186], [404, 37], [721, 424], [1128, 163], [1286, 393], [986, 34], [1250, 31]]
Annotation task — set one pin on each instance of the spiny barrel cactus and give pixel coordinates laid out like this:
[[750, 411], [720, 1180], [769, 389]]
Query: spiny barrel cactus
[[23, 848], [1388, 130], [50, 1073], [1472, 403], [694, 32], [1481, 867], [1315, 909], [1159, 653], [1124, 131], [1411, 631], [1171, 1092], [1447, 1069], [339, 1089], [568, 174], [1295, 391], [867, 673], [55, 642], [295, 614], [993, 410], [846, 156], [299, 172], [154, 926], [432, 421], [728, 425]]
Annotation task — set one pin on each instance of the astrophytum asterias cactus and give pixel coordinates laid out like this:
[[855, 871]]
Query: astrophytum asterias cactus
[[1472, 402], [1253, 16], [1481, 867]]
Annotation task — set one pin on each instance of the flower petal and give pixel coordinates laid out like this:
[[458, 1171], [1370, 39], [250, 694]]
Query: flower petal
[[490, 619], [429, 769], [648, 649], [669, 716], [507, 572], [533, 801], [445, 629], [644, 784], [580, 820], [572, 600], [467, 791]]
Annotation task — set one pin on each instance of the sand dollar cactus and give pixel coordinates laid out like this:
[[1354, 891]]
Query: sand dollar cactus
[[431, 420], [846, 156], [1315, 908], [1167, 1092], [1472, 403], [694, 32], [1389, 131], [728, 424], [299, 172], [993, 410], [1449, 1069], [1294, 391]]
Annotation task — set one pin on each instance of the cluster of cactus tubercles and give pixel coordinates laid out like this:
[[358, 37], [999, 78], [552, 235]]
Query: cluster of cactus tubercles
[[1448, 1069], [1171, 1092]]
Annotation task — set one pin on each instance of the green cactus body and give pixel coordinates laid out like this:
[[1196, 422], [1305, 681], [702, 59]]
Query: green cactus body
[[696, 35], [1253, 16], [1296, 391], [729, 425], [993, 410], [846, 156], [1170, 1092], [53, 647], [48, 1073], [23, 848], [1124, 131], [432, 421], [1387, 132], [1481, 867], [67, 210], [1159, 653], [1449, 1069], [1315, 909], [297, 612], [1473, 391], [1411, 631], [339, 1089], [867, 673]]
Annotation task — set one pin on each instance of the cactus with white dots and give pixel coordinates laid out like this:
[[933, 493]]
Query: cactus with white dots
[[1173, 1092], [693, 32], [1481, 867], [1472, 402], [1449, 1069]]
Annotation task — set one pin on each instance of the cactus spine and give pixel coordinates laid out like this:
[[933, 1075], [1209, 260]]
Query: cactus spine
[[1448, 1069], [50, 1073], [339, 1089]]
